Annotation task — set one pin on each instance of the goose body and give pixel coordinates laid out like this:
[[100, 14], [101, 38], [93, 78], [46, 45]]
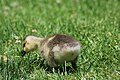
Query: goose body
[[56, 49]]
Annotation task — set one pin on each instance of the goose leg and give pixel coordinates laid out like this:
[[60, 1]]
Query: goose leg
[[51, 59], [74, 63]]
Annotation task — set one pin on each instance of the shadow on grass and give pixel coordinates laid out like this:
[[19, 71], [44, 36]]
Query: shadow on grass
[[38, 63]]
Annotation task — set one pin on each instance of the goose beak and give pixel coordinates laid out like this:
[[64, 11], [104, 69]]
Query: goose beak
[[23, 53]]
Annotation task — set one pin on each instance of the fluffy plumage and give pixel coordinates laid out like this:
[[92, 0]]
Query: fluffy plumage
[[56, 49]]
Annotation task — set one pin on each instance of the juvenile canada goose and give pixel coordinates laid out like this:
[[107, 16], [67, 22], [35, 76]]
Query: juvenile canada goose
[[56, 49]]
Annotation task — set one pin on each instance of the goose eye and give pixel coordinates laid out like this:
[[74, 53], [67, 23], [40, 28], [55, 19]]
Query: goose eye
[[27, 43]]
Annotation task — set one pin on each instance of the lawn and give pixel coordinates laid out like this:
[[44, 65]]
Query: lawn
[[94, 23]]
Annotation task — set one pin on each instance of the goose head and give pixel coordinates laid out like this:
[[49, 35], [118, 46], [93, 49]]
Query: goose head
[[30, 43]]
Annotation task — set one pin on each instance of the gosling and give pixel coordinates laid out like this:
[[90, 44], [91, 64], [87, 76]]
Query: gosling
[[56, 49]]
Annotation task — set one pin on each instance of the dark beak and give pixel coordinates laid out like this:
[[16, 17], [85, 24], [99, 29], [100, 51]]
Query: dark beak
[[23, 53]]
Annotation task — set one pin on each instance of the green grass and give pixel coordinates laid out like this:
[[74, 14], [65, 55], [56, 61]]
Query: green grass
[[94, 23]]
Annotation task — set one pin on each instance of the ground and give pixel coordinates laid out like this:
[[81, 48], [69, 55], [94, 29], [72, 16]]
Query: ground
[[94, 23]]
